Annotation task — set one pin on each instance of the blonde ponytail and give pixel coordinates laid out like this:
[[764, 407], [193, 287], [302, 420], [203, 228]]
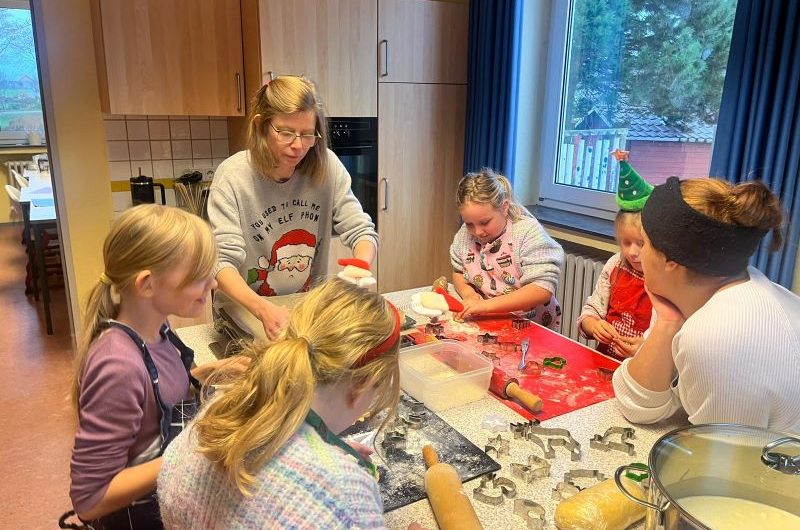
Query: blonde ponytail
[[331, 329], [490, 187]]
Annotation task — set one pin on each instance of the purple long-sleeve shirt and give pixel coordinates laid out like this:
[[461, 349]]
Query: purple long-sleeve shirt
[[119, 415]]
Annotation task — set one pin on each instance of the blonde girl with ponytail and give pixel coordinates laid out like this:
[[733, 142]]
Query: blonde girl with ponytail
[[503, 260], [130, 368], [266, 450]]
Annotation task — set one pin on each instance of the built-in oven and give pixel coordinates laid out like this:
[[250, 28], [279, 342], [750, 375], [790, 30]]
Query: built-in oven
[[355, 142]]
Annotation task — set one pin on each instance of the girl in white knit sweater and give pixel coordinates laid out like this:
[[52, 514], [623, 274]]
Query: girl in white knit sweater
[[725, 344]]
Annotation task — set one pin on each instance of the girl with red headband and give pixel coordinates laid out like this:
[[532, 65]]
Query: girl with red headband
[[267, 449]]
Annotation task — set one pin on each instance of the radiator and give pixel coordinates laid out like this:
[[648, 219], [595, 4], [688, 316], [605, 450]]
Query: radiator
[[579, 275], [18, 166]]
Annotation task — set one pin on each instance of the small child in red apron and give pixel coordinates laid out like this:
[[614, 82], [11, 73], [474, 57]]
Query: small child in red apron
[[619, 310], [503, 260]]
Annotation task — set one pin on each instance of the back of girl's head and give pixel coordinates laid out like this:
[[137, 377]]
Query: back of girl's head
[[328, 333], [286, 94], [148, 237], [489, 187], [749, 204]]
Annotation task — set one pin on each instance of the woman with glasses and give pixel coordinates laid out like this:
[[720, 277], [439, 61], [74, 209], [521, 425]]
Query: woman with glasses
[[274, 206]]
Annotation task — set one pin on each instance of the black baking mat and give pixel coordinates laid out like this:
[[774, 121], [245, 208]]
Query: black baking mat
[[402, 471]]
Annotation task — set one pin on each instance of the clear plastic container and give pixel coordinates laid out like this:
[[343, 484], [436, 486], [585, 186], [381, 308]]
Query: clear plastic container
[[444, 374]]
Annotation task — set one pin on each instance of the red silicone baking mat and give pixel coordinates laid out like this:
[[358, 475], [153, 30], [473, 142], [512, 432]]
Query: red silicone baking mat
[[583, 381]]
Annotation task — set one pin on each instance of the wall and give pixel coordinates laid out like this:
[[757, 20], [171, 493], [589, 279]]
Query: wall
[[76, 139], [163, 147]]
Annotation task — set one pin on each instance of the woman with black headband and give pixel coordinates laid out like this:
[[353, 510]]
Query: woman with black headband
[[725, 341]]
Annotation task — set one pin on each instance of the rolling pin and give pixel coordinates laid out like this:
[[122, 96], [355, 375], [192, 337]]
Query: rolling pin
[[451, 506], [508, 388]]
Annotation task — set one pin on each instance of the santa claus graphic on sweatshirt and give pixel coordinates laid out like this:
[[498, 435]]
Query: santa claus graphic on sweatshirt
[[288, 269]]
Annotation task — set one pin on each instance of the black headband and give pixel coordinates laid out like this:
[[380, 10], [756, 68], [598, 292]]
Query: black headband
[[694, 240]]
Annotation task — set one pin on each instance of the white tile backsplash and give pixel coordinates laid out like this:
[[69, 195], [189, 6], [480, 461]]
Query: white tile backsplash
[[139, 149], [200, 129], [219, 129], [164, 147], [117, 151], [180, 130], [159, 129], [201, 148], [137, 130], [115, 130]]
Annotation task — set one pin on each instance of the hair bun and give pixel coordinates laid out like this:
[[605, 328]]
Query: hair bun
[[753, 204]]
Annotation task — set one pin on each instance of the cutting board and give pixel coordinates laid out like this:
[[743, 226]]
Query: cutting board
[[583, 381]]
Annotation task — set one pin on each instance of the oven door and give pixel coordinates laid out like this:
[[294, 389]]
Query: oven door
[[361, 161]]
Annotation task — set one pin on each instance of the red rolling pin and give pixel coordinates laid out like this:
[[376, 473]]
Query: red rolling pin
[[508, 388]]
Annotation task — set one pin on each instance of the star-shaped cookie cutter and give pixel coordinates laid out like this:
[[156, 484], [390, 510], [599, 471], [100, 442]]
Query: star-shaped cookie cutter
[[498, 445]]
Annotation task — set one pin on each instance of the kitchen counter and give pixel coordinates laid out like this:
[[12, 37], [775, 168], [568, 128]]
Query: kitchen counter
[[582, 424]]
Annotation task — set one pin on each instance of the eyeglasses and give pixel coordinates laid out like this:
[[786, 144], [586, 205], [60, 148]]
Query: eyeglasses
[[287, 137]]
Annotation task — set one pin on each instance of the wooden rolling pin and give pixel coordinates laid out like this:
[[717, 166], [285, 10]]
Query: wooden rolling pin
[[450, 504], [508, 388]]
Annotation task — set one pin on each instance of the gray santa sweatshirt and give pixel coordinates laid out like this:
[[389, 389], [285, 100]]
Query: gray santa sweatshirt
[[277, 235]]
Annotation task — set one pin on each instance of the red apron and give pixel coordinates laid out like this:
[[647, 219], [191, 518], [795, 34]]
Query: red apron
[[629, 307]]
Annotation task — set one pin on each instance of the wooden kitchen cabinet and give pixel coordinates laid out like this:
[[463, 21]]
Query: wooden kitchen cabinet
[[422, 41], [169, 56], [421, 134], [332, 42]]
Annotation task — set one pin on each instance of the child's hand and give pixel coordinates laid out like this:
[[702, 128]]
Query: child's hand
[[604, 332], [222, 368], [272, 316], [363, 450], [473, 305], [628, 346]]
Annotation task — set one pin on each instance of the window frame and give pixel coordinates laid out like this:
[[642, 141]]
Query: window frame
[[563, 197]]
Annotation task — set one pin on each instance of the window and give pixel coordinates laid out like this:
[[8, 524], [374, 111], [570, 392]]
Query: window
[[21, 120], [644, 76]]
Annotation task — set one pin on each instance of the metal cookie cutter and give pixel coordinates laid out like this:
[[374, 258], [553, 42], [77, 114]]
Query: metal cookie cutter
[[605, 374], [508, 345], [520, 323], [394, 440], [487, 338], [547, 449], [604, 444], [492, 356], [498, 445], [532, 512], [570, 476], [521, 429], [564, 491], [434, 328], [535, 468], [556, 363], [566, 441], [485, 492]]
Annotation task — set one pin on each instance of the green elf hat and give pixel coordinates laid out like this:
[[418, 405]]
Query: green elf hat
[[632, 191]]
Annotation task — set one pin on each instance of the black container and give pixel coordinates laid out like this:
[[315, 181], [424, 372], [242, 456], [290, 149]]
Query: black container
[[143, 190]]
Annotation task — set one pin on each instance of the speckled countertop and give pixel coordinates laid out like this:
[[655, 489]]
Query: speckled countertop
[[582, 424]]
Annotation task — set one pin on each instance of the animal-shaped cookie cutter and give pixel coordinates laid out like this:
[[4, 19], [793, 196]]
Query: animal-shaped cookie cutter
[[486, 491], [521, 429], [624, 446], [487, 338], [532, 512], [547, 449], [520, 323], [497, 445], [394, 440], [572, 475], [563, 439], [535, 468], [434, 328], [556, 362], [507, 345], [492, 356], [564, 491]]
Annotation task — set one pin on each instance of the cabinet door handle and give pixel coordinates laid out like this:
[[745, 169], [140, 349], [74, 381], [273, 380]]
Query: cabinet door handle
[[385, 45], [238, 92], [385, 183]]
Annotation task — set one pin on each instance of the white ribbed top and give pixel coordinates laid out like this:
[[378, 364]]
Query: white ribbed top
[[738, 361]]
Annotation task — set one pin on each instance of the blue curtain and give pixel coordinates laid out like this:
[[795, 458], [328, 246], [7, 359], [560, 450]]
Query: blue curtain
[[758, 134], [492, 77]]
